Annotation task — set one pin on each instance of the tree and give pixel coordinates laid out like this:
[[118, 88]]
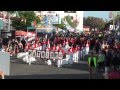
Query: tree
[[94, 22], [71, 22], [26, 17]]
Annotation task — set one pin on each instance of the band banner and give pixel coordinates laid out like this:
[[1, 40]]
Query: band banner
[[51, 55], [47, 55], [38, 53], [30, 53], [55, 55], [34, 53], [43, 54]]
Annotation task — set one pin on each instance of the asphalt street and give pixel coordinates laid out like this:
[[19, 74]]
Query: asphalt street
[[39, 70]]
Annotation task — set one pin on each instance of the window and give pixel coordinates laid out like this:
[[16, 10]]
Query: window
[[69, 11]]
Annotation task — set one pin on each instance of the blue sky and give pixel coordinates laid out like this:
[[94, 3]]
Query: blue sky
[[100, 14]]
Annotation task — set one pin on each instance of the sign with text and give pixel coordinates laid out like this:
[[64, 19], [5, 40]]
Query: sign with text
[[60, 56], [55, 55], [45, 54]]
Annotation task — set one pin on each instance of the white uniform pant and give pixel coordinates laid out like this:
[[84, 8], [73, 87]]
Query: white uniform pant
[[59, 63], [76, 56]]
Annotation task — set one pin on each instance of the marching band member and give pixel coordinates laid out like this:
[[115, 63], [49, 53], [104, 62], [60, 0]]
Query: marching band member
[[54, 49], [48, 43], [59, 62], [58, 47], [35, 45], [79, 52], [48, 61], [83, 52], [40, 46], [44, 45], [76, 54], [70, 57], [67, 46], [64, 42]]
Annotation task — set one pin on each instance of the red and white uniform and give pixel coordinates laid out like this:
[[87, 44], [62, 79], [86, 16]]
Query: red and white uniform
[[47, 49], [54, 48], [71, 50], [35, 45], [61, 50], [40, 46], [59, 61], [72, 41], [57, 48], [76, 55], [64, 42]]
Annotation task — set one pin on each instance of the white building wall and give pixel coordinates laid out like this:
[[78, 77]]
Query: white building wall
[[78, 15]]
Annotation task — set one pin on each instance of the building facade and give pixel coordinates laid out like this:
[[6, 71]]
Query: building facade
[[77, 15]]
